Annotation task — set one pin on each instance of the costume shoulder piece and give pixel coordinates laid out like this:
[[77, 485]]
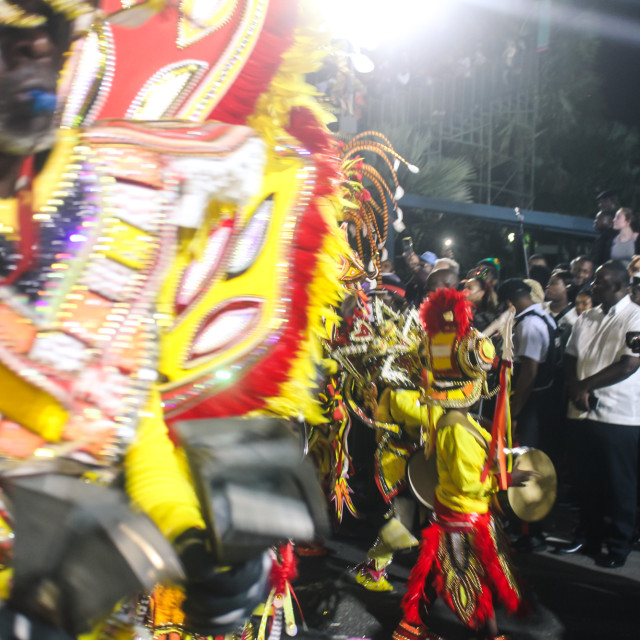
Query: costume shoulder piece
[[126, 283], [210, 161], [78, 344], [242, 309]]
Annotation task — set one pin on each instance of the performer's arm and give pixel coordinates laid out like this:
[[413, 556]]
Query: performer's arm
[[157, 480]]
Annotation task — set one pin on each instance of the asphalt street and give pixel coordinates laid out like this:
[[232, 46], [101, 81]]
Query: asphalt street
[[570, 597]]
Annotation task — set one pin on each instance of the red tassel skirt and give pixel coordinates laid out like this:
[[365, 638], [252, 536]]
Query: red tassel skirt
[[464, 558]]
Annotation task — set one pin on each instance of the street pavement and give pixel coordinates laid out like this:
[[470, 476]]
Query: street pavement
[[570, 597]]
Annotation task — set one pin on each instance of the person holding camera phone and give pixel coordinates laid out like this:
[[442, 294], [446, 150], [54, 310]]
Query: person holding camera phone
[[420, 266], [603, 378]]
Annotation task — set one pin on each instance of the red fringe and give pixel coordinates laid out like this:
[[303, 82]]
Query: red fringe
[[495, 584], [286, 571], [313, 134], [419, 574], [503, 590], [442, 300], [277, 36], [499, 430]]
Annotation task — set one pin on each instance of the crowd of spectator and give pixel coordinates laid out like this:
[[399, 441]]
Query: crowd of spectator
[[576, 382]]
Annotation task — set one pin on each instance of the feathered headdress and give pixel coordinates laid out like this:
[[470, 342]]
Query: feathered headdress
[[446, 310], [458, 356], [369, 208]]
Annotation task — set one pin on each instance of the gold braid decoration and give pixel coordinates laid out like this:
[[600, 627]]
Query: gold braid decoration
[[368, 208], [386, 148], [498, 539], [13, 16], [71, 9], [375, 148], [381, 187], [357, 222], [462, 579], [373, 207]]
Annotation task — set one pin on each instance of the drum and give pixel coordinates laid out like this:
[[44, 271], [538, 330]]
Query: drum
[[422, 477]]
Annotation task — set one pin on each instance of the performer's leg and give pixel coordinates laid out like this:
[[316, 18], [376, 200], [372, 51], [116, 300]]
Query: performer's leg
[[491, 630], [393, 536], [372, 574], [492, 627], [528, 434], [408, 631]]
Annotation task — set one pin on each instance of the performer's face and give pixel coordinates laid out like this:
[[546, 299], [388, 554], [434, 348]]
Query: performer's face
[[30, 60]]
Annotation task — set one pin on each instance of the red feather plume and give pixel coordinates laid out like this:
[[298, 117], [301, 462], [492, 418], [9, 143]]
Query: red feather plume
[[437, 304], [283, 572]]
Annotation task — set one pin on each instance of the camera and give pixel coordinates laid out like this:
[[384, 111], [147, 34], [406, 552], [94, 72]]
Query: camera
[[632, 338], [407, 245]]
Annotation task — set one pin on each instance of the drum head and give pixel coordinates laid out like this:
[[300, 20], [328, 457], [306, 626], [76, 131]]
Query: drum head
[[422, 477], [534, 500]]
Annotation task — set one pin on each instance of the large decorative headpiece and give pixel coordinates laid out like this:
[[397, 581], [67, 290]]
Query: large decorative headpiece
[[368, 209], [211, 60], [12, 15], [458, 356]]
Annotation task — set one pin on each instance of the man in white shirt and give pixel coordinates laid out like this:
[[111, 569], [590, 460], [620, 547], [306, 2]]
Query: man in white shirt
[[534, 372], [603, 377]]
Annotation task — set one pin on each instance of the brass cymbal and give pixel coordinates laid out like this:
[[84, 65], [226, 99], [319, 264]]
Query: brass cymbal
[[534, 500]]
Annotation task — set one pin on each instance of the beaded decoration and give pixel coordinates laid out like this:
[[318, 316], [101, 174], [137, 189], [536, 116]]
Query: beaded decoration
[[79, 326], [457, 355]]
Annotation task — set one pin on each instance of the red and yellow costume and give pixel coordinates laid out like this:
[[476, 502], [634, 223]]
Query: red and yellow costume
[[463, 554], [181, 268]]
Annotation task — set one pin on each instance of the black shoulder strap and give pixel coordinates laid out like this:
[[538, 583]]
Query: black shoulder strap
[[547, 368], [563, 313], [542, 316]]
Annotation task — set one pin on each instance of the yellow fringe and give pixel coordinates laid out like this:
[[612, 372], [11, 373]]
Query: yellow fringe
[[288, 88], [297, 396]]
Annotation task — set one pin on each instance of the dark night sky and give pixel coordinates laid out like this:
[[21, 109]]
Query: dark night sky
[[619, 65]]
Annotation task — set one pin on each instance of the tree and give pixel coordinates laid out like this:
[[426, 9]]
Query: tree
[[578, 151]]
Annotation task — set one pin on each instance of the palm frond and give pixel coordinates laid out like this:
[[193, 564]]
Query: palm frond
[[449, 178]]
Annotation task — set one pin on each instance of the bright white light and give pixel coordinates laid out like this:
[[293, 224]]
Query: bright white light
[[511, 237], [362, 63], [368, 23], [447, 242]]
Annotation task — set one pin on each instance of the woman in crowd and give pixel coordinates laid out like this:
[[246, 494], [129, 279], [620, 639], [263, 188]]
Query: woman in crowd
[[584, 301], [625, 243], [558, 294]]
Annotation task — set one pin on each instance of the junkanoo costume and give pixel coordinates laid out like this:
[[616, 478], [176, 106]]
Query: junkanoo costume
[[366, 346], [463, 554], [171, 270], [380, 365]]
